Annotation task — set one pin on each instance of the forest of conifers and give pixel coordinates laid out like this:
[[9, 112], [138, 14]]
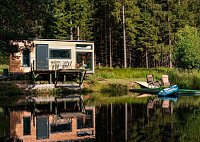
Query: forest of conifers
[[151, 27]]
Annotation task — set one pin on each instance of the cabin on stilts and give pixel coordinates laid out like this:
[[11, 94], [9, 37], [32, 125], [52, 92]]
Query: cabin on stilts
[[53, 58]]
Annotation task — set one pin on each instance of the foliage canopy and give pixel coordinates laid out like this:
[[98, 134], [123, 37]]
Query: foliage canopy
[[187, 48], [151, 27]]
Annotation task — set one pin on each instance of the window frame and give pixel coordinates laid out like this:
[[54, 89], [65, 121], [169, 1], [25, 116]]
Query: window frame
[[85, 52], [28, 57], [83, 48], [29, 131], [68, 50]]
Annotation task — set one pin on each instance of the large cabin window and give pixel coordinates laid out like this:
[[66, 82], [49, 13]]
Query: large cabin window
[[27, 125], [60, 53], [26, 57], [84, 59]]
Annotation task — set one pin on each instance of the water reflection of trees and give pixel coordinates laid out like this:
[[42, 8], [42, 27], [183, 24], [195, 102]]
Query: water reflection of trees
[[1, 123], [161, 125], [188, 123], [182, 125]]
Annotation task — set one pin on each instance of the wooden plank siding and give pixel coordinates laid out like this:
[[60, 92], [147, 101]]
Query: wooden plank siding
[[15, 64]]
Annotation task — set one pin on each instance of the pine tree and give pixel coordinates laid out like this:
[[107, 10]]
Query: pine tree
[[70, 16]]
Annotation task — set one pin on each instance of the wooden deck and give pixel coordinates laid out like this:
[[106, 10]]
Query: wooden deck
[[79, 74], [62, 78]]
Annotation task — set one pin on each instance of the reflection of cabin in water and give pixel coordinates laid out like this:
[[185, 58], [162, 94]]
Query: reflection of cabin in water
[[48, 54], [52, 119]]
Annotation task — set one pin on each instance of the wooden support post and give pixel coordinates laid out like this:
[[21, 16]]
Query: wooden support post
[[33, 77], [55, 73], [50, 78], [82, 76], [79, 76], [82, 107], [33, 65], [32, 72], [51, 107], [56, 79], [64, 78], [65, 105]]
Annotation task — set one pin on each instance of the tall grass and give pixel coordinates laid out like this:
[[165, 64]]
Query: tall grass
[[187, 79], [119, 73]]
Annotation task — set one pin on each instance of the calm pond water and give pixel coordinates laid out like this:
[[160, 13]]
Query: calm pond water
[[66, 119]]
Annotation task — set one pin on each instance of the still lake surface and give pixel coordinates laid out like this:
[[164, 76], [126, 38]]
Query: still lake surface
[[177, 121]]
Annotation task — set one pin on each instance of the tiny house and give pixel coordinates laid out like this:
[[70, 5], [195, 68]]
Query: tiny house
[[51, 54]]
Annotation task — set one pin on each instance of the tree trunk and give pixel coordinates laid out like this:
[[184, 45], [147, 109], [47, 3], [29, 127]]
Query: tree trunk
[[124, 33], [110, 44], [147, 62]]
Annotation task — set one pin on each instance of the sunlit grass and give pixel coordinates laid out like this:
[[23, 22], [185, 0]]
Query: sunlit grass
[[118, 73], [188, 79]]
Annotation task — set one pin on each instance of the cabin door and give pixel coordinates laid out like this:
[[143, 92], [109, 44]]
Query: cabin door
[[42, 58], [42, 127]]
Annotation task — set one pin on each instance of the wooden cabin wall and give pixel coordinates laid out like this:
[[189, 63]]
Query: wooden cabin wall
[[60, 45], [15, 63]]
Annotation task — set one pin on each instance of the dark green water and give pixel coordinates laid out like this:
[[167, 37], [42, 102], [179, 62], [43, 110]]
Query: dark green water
[[137, 122]]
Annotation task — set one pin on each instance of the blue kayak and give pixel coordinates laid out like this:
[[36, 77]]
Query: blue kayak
[[168, 91]]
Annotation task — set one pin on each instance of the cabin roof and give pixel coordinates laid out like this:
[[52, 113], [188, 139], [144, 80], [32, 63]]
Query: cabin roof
[[36, 39]]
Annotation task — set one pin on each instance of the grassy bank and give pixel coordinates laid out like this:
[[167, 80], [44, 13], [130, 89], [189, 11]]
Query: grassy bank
[[188, 79], [112, 85], [106, 79]]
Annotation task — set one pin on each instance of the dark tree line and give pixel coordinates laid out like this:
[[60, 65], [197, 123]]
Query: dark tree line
[[151, 26]]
